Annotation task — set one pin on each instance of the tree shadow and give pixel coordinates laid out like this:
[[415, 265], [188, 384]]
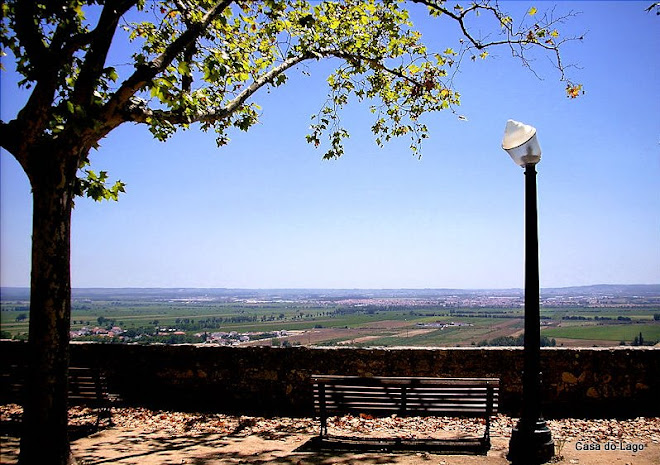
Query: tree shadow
[[466, 446], [135, 445], [80, 425], [212, 449], [293, 459]]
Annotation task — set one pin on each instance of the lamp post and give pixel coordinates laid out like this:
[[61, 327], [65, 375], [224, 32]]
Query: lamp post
[[531, 440]]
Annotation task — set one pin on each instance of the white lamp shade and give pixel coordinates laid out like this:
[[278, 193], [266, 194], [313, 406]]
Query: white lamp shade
[[521, 144]]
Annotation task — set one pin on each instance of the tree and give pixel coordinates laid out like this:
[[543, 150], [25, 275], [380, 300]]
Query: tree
[[199, 62]]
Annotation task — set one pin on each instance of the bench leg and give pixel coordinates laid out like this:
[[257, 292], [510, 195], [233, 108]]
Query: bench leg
[[107, 413], [487, 433], [324, 427], [486, 438], [489, 413]]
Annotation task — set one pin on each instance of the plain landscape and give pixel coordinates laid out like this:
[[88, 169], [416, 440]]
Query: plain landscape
[[605, 315]]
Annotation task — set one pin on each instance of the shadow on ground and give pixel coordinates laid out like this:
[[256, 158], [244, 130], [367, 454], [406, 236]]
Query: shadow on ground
[[289, 445], [210, 449], [472, 446], [242, 447]]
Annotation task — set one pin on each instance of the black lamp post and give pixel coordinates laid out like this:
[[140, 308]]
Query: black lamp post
[[531, 441]]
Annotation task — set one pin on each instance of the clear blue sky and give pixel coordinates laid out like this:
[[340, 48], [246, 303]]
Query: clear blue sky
[[267, 212]]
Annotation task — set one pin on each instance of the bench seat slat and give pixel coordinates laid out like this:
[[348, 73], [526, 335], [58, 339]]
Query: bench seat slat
[[87, 386], [396, 406], [402, 381], [406, 396], [329, 390]]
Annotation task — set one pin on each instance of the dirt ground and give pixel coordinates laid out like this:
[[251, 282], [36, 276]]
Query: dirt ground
[[144, 437], [135, 447]]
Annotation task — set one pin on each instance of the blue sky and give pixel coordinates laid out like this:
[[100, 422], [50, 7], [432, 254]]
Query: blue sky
[[267, 212]]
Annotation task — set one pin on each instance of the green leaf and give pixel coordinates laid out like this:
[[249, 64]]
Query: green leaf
[[184, 68], [155, 92], [112, 74]]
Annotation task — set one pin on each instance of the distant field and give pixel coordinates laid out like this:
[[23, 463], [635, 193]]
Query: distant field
[[612, 332], [330, 324]]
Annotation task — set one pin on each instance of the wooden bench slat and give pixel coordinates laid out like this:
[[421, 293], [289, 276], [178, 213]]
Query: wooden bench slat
[[397, 405], [87, 386], [330, 390], [406, 396], [334, 391], [402, 381]]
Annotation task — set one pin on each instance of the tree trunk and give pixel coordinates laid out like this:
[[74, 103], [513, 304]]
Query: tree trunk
[[45, 439]]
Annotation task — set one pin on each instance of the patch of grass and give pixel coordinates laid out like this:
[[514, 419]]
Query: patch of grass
[[611, 332]]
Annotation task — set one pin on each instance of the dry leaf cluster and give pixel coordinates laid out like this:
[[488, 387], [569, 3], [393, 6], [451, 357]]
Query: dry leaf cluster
[[645, 430]]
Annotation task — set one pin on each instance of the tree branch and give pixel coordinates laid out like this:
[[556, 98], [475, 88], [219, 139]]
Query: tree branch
[[9, 139], [32, 118], [140, 114], [145, 73], [189, 53], [522, 38], [95, 57], [460, 18], [373, 63], [29, 36]]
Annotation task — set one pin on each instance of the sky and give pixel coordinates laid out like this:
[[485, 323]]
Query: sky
[[266, 211]]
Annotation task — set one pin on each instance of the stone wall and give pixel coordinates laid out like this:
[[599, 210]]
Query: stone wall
[[607, 382]]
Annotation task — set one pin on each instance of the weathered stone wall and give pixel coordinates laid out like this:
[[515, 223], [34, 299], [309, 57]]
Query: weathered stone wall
[[612, 382]]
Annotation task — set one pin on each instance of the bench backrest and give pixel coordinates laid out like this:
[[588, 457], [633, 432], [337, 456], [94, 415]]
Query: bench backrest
[[87, 385], [405, 396]]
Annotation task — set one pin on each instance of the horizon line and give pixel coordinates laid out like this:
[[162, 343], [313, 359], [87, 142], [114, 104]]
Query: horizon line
[[347, 288]]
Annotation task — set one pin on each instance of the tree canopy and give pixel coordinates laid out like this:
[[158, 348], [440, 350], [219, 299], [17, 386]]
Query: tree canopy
[[187, 62]]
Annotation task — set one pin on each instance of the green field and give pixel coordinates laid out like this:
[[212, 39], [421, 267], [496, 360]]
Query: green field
[[329, 324], [611, 332]]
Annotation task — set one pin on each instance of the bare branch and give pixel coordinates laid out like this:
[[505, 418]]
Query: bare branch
[[460, 18], [518, 41], [656, 6]]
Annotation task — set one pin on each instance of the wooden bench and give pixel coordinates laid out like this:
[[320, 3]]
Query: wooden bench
[[87, 388], [406, 396]]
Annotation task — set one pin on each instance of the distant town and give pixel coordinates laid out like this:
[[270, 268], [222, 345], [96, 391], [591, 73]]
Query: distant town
[[592, 315]]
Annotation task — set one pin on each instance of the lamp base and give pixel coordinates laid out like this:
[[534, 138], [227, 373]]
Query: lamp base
[[531, 443]]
